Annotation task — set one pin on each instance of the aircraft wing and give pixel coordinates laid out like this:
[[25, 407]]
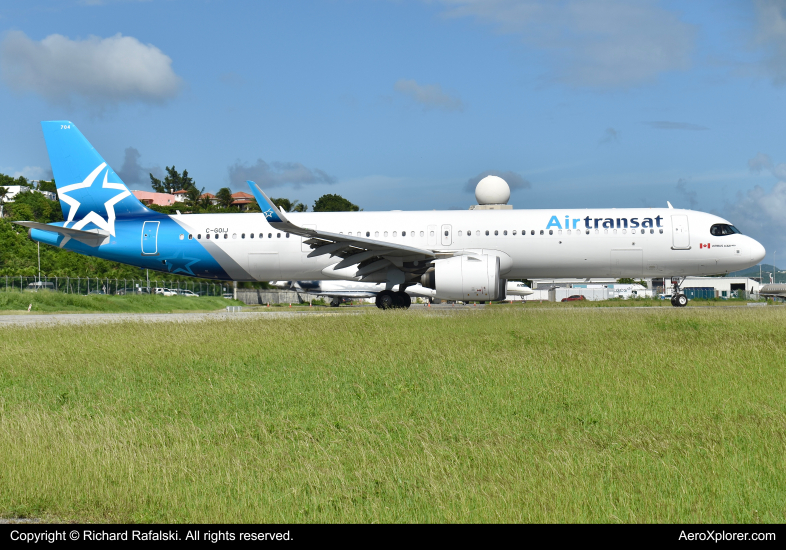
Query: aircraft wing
[[368, 254], [95, 237]]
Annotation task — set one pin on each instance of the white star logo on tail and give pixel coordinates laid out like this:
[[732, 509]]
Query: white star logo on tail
[[107, 224]]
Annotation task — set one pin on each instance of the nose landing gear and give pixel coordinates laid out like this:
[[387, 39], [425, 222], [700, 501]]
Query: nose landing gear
[[678, 299]]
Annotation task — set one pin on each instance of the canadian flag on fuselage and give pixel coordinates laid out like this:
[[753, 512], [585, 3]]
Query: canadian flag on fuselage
[[702, 245]]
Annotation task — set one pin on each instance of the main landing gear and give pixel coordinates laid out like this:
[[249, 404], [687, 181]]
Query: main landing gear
[[678, 299], [387, 299]]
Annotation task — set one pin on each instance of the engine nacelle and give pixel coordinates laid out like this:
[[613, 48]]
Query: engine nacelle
[[466, 278]]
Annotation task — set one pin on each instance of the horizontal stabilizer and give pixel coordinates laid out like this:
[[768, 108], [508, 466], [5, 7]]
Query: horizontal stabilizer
[[93, 237]]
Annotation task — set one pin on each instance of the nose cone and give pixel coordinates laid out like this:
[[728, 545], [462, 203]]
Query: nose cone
[[757, 251]]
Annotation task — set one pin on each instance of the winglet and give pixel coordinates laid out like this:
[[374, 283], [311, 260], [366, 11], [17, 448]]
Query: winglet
[[273, 214], [670, 206]]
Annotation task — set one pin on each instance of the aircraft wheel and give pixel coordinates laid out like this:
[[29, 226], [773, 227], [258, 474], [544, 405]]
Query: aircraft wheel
[[335, 302], [386, 300], [403, 300], [674, 301], [681, 300]]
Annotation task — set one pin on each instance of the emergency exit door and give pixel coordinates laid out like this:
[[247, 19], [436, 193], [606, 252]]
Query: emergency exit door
[[447, 235], [150, 238]]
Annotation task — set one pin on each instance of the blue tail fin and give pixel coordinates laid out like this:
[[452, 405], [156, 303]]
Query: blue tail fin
[[91, 194]]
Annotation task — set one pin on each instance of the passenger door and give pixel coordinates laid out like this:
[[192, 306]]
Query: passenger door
[[680, 232]]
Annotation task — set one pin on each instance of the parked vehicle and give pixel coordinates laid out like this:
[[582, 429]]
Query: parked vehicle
[[228, 296], [184, 292], [41, 285], [165, 291], [574, 298]]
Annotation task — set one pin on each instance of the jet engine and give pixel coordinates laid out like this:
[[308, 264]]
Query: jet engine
[[466, 278]]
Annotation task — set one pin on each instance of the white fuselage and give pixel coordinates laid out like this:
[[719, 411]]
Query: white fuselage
[[649, 242]]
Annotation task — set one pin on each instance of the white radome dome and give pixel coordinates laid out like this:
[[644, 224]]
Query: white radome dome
[[492, 190]]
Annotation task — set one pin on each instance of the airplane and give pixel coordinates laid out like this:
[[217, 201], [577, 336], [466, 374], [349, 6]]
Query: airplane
[[340, 291], [461, 255]]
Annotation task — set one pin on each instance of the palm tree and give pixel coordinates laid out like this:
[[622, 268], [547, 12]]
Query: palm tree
[[224, 197], [192, 197]]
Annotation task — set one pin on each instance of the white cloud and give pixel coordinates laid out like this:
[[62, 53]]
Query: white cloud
[[429, 95], [594, 43], [762, 161], [102, 71], [770, 34], [276, 174], [132, 172]]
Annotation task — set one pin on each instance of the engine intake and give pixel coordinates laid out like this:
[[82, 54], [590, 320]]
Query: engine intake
[[466, 278]]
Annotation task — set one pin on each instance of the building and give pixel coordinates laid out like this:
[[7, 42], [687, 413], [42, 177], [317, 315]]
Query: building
[[14, 190], [242, 200], [180, 196], [159, 199], [211, 197]]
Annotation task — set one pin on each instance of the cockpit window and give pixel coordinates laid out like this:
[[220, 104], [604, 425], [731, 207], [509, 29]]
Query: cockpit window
[[721, 229]]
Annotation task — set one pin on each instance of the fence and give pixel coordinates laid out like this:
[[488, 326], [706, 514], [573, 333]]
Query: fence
[[93, 285]]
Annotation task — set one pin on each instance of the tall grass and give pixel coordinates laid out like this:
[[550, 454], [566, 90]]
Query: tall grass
[[502, 415]]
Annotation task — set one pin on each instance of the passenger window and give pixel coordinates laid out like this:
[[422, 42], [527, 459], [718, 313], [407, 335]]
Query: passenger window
[[412, 233], [207, 236], [190, 237], [376, 233], [446, 233], [487, 232], [606, 231], [368, 233], [242, 235], [587, 231], [270, 235], [251, 235], [469, 233], [394, 233], [505, 232], [496, 232], [287, 235], [234, 235], [459, 233], [261, 235], [422, 233], [551, 231], [386, 233], [661, 230], [181, 236], [226, 235], [431, 234], [541, 232], [278, 235], [652, 231], [558, 232], [199, 236], [403, 233], [533, 232], [514, 232], [568, 231]]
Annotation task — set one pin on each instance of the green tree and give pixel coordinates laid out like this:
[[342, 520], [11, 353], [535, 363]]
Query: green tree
[[286, 204], [334, 203], [193, 197], [224, 197], [174, 181], [47, 186]]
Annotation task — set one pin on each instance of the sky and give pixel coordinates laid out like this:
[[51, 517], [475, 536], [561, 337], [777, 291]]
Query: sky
[[405, 104]]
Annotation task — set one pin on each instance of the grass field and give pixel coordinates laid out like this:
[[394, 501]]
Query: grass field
[[51, 302], [495, 415]]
